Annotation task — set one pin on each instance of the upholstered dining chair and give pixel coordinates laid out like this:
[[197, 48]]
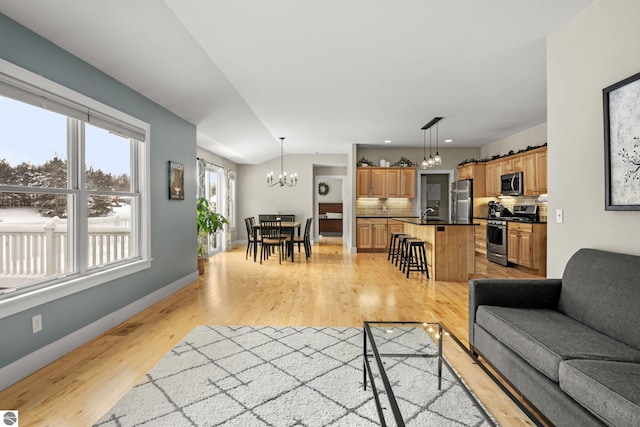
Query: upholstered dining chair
[[271, 237], [305, 239]]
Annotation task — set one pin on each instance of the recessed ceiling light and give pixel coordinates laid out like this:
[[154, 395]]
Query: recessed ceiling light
[[448, 140], [388, 141]]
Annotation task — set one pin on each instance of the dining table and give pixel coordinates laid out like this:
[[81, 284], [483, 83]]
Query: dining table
[[285, 226]]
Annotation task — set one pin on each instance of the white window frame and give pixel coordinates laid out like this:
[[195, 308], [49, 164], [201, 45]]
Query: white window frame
[[102, 115], [231, 208]]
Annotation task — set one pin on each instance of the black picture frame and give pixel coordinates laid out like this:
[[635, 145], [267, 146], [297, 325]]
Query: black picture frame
[[176, 181], [621, 105]]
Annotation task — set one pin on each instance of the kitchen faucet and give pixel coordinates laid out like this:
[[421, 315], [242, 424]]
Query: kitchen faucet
[[426, 211]]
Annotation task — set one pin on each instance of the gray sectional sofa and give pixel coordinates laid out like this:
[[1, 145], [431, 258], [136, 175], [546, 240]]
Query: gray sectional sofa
[[570, 346]]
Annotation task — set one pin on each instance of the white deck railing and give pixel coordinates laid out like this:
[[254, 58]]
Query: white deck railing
[[28, 251]]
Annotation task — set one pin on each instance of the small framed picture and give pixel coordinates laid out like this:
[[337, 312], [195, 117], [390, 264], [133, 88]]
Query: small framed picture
[[621, 104], [176, 181]]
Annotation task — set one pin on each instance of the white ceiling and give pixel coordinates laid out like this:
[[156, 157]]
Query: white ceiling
[[324, 74]]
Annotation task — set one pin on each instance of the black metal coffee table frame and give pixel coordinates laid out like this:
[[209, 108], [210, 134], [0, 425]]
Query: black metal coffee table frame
[[377, 356]]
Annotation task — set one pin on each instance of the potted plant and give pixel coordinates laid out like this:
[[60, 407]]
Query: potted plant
[[209, 222]]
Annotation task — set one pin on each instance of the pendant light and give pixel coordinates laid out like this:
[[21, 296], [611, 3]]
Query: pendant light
[[292, 181], [437, 161], [430, 162], [425, 164]]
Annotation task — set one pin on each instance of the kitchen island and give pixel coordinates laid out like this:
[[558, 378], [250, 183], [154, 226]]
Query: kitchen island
[[449, 246]]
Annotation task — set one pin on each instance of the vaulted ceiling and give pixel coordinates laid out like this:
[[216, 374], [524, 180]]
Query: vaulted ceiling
[[324, 74]]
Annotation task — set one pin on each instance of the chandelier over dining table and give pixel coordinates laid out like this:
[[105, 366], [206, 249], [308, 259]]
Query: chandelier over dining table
[[290, 181]]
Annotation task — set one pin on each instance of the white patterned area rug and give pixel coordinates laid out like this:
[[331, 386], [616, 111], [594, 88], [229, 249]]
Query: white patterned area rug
[[284, 376]]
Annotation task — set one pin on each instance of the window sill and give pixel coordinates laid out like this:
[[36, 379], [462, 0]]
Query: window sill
[[18, 301]]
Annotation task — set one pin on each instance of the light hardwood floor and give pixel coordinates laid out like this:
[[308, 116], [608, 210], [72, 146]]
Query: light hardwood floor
[[333, 288]]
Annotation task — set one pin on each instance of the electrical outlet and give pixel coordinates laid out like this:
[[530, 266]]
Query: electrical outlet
[[36, 323], [384, 208], [559, 216]]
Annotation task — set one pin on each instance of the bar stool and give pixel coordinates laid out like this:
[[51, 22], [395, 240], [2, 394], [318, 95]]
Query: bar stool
[[416, 258], [394, 251], [401, 249]]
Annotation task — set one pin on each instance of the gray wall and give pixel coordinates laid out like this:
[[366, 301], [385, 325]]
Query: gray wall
[[597, 48], [173, 245]]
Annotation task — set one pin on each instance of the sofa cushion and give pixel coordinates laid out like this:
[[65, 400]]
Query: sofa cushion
[[611, 390], [544, 338], [601, 289]]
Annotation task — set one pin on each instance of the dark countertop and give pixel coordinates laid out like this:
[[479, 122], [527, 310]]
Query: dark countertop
[[384, 217], [417, 221]]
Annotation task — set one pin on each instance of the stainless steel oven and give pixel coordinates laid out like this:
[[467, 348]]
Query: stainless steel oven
[[497, 241]]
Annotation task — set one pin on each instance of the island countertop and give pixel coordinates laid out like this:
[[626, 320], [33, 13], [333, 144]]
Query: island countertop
[[418, 221]]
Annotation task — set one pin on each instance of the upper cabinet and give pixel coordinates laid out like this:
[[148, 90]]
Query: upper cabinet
[[532, 164], [386, 183], [535, 172], [477, 172]]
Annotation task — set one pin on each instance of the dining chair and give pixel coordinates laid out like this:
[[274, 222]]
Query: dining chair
[[305, 239], [272, 237], [249, 223], [269, 217]]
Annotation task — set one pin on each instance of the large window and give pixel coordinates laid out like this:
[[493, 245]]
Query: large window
[[73, 189]]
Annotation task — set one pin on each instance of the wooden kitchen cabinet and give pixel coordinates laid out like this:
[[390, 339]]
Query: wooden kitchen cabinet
[[378, 183], [477, 173], [527, 246], [480, 236], [541, 171], [408, 183], [383, 183], [371, 182], [363, 234], [532, 164], [372, 233], [494, 171], [394, 226], [465, 172], [363, 182], [535, 172], [394, 178]]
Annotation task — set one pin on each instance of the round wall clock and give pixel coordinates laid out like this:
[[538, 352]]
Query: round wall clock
[[323, 189]]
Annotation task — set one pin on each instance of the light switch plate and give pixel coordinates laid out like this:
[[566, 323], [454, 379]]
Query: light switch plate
[[559, 216]]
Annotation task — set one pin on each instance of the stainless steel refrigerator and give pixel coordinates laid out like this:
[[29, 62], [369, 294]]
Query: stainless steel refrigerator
[[462, 200]]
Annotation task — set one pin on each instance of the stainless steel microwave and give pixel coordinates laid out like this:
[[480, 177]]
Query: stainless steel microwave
[[511, 184]]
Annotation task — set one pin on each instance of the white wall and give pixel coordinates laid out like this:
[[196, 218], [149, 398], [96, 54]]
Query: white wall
[[335, 190], [597, 48], [531, 137]]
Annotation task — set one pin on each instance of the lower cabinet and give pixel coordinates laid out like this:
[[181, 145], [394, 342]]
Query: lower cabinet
[[480, 236], [526, 246], [373, 233]]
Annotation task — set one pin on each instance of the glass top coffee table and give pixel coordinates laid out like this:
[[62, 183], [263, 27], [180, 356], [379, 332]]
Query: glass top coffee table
[[403, 366]]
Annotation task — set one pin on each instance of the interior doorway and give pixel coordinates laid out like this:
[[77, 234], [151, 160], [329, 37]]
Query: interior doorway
[[435, 193], [331, 211]]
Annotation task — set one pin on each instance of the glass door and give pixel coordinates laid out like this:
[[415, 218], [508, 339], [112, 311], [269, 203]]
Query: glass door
[[215, 190]]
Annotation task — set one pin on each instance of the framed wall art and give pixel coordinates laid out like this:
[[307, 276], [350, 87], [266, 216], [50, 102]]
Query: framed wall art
[[622, 144], [176, 181]]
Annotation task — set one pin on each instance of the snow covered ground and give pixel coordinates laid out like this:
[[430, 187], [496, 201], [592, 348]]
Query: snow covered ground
[[32, 216]]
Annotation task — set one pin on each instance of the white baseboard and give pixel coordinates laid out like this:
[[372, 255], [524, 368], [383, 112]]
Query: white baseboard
[[27, 365]]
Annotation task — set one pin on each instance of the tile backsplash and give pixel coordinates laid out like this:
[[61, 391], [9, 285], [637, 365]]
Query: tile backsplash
[[375, 207]]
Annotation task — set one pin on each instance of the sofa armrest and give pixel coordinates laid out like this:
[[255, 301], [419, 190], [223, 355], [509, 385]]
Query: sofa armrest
[[521, 293]]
